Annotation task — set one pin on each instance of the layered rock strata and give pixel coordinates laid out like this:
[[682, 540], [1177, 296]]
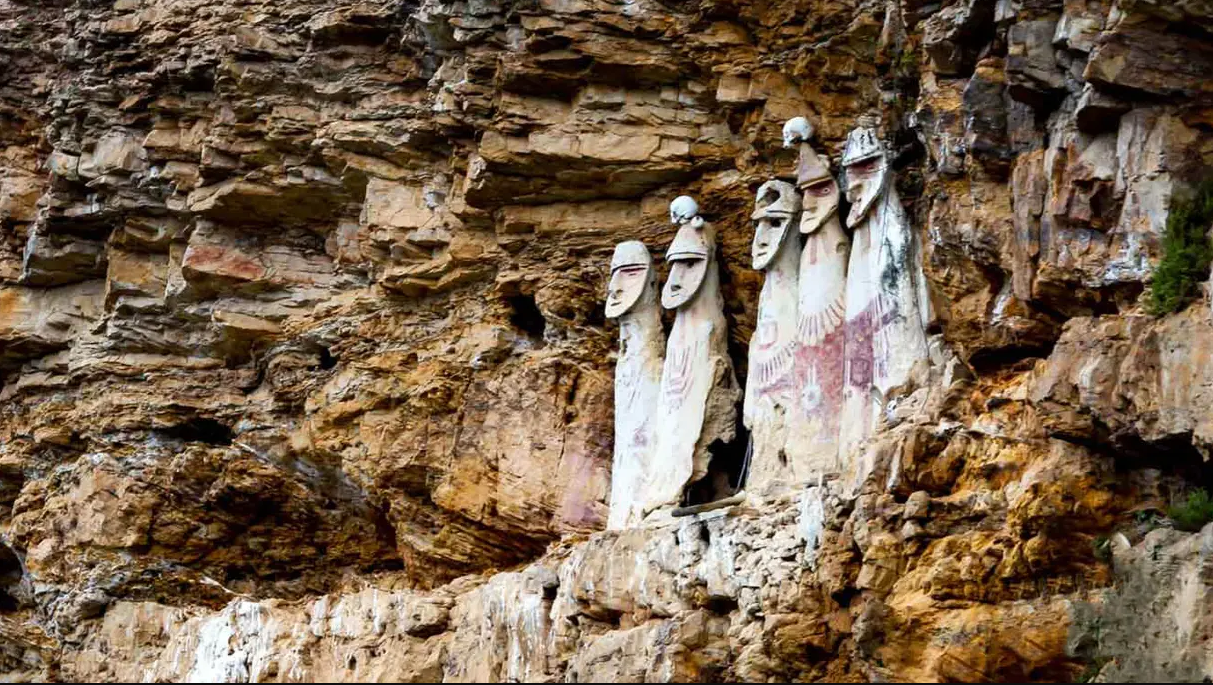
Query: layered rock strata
[[306, 373]]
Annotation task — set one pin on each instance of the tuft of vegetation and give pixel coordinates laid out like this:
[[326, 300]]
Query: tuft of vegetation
[[1192, 513], [1187, 253], [1092, 670], [907, 64], [1102, 547]]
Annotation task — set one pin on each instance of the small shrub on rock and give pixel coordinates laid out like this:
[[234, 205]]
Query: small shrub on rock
[[1187, 253], [1192, 513]]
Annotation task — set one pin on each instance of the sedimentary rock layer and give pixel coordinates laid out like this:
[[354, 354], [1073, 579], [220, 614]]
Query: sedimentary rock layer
[[306, 373]]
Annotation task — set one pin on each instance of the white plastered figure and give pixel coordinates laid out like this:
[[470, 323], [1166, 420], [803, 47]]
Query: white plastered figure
[[813, 441], [772, 387], [699, 393], [886, 307], [632, 299]]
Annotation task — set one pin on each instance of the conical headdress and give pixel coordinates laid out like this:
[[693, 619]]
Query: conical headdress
[[862, 143], [690, 242], [811, 168]]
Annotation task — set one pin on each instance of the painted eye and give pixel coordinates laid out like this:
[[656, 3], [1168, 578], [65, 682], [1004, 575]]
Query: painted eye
[[866, 167], [776, 224], [821, 189], [632, 270]]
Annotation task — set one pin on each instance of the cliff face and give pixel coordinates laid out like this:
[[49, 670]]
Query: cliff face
[[306, 377]]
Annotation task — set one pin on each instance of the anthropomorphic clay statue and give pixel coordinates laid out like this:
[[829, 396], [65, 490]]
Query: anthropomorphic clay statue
[[772, 388], [886, 307], [821, 307], [699, 393], [632, 299]]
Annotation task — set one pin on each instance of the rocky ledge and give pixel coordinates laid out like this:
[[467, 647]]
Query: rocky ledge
[[306, 373]]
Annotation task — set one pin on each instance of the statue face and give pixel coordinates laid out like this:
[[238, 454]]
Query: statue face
[[628, 283], [770, 232], [686, 276], [775, 208], [820, 202], [865, 182]]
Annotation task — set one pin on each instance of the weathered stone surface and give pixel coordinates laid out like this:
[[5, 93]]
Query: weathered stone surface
[[1033, 74], [984, 105], [59, 260], [1115, 370], [1081, 23], [1097, 112], [952, 36], [306, 376], [34, 322], [1139, 52], [1153, 625]]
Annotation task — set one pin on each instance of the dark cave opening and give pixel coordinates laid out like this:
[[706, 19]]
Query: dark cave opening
[[1180, 465], [721, 606], [10, 579], [201, 429], [726, 470], [327, 360], [526, 317]]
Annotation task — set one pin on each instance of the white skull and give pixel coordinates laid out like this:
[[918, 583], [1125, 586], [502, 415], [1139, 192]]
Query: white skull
[[796, 130], [683, 209]]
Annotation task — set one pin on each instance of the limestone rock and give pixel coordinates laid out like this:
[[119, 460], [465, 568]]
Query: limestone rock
[[60, 260], [952, 36], [305, 374], [1139, 52], [1081, 23], [35, 321], [1033, 75]]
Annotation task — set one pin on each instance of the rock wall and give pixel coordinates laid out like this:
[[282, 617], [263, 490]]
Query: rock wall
[[305, 372]]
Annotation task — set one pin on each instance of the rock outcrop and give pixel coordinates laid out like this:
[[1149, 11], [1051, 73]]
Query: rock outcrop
[[305, 371]]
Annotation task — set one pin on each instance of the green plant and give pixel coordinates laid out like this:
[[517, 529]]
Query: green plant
[[1102, 546], [907, 64], [1187, 252], [1148, 519], [1192, 513], [1094, 666]]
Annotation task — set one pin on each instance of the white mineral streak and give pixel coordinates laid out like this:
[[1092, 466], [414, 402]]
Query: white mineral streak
[[632, 297], [509, 622], [512, 627], [812, 523], [269, 641], [886, 309], [699, 392], [772, 389], [236, 645]]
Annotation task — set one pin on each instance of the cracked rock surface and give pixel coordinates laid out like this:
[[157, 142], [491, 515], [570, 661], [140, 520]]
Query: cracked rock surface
[[304, 374]]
